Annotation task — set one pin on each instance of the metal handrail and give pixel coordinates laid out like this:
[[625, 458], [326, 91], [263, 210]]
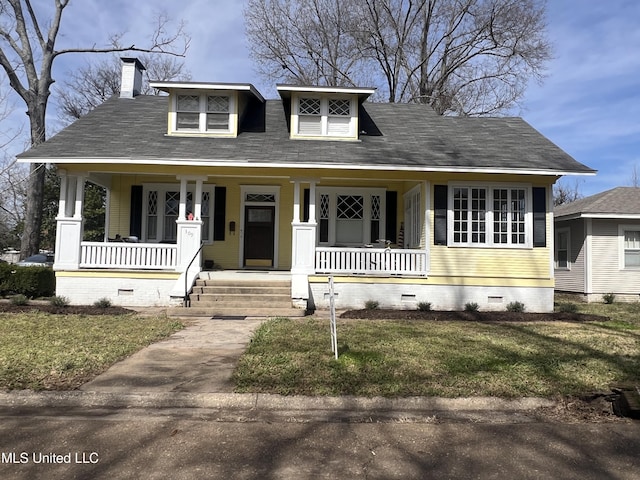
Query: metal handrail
[[186, 276]]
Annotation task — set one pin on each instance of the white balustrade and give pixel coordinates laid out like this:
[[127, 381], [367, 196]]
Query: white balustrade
[[124, 255], [371, 261]]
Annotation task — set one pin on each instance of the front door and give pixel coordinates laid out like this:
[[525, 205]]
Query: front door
[[259, 230]]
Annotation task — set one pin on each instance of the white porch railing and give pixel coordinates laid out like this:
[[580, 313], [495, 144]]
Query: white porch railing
[[123, 255], [371, 261]]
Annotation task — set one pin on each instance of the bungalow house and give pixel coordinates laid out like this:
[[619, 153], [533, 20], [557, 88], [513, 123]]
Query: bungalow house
[[396, 203], [597, 245]]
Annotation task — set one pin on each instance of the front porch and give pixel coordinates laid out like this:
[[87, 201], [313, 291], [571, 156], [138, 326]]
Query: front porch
[[158, 261]]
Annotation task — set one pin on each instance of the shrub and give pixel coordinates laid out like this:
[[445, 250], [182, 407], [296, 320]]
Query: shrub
[[32, 282], [59, 301], [424, 306], [568, 307], [19, 299], [371, 305], [515, 307], [102, 303], [471, 307], [608, 298]]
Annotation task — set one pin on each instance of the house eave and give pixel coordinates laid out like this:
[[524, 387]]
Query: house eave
[[601, 216], [238, 87], [251, 162]]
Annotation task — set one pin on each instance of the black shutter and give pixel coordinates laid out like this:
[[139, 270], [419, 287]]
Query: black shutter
[[539, 216], [219, 213], [391, 217], [440, 199], [305, 205], [135, 215]]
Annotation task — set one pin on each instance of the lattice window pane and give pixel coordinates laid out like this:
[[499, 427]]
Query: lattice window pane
[[375, 207], [218, 104], [350, 206], [260, 197], [324, 206], [171, 203], [152, 203], [340, 107], [188, 103], [309, 106], [152, 215]]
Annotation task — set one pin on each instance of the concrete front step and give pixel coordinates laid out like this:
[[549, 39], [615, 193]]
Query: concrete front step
[[242, 290], [234, 312], [242, 283], [236, 300]]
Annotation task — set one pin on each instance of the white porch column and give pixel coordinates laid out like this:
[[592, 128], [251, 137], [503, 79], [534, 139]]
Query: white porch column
[[303, 247], [182, 209], [189, 232], [69, 222]]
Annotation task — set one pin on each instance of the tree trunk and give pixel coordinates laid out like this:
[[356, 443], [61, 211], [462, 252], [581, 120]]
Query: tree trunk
[[30, 242]]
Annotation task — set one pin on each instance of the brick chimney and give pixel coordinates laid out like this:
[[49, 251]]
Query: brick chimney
[[131, 83]]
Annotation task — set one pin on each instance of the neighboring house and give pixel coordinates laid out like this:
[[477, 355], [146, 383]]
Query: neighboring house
[[398, 204], [597, 245]]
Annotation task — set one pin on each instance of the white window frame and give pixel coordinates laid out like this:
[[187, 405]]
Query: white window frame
[[325, 118], [622, 231], [366, 193], [162, 189], [413, 217], [489, 217], [562, 231], [203, 111]]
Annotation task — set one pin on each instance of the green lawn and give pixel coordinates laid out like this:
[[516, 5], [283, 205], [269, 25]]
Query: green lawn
[[40, 351], [448, 359]]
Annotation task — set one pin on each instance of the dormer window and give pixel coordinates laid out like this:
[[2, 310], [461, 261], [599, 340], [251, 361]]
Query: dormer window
[[203, 113], [324, 112], [326, 116], [208, 109]]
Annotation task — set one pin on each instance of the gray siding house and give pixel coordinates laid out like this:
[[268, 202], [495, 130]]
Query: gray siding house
[[597, 245]]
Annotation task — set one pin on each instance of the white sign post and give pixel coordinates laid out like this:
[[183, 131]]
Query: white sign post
[[332, 308]]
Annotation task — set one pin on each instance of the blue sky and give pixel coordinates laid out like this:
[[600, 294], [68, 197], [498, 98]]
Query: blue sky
[[588, 104]]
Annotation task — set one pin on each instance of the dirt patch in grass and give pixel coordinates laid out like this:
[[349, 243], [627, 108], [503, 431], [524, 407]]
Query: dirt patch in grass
[[8, 307], [382, 314]]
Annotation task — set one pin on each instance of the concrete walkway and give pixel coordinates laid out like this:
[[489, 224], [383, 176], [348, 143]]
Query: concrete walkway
[[198, 359]]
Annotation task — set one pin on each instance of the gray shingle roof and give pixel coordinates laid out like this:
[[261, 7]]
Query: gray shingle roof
[[618, 201], [397, 135]]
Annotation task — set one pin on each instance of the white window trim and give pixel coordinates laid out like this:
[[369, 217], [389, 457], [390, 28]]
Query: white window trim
[[202, 130], [324, 113], [162, 188], [410, 236], [622, 229], [558, 232], [489, 187], [366, 193]]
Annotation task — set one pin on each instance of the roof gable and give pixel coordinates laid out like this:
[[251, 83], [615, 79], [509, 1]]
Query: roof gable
[[617, 202]]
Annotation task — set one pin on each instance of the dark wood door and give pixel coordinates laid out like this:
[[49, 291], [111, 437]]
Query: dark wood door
[[259, 230]]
